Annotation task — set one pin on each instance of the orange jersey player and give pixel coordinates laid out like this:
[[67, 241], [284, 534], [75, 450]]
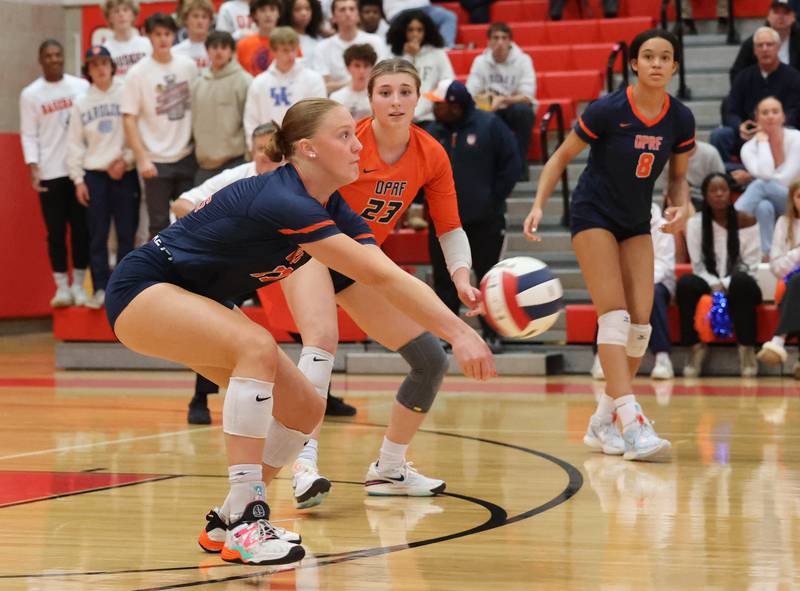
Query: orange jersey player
[[383, 192]]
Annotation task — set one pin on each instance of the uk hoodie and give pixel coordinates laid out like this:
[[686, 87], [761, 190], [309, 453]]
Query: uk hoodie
[[513, 76]]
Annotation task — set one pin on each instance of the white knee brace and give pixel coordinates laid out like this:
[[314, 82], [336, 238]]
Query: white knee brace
[[638, 339], [282, 444], [317, 365], [613, 328], [247, 408]]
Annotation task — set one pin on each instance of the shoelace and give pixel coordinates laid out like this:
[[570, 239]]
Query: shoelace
[[266, 531]]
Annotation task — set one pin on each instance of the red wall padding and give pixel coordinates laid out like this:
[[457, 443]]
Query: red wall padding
[[27, 283]]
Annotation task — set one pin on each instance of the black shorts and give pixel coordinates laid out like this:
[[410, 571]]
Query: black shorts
[[340, 282], [584, 216]]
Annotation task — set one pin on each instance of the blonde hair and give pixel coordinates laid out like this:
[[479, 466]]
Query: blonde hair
[[283, 36], [792, 213], [394, 65], [300, 122], [190, 5], [109, 4]]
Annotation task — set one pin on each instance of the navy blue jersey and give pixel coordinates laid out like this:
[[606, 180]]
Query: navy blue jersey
[[628, 153], [251, 233]]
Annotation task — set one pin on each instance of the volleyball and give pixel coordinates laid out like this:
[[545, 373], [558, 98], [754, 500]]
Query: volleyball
[[522, 297]]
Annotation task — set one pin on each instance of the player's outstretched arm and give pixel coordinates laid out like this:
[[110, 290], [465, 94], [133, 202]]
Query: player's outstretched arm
[[370, 266], [551, 173], [677, 194]]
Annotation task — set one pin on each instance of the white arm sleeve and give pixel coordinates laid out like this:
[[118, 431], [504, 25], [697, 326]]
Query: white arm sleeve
[[455, 247], [199, 194], [29, 129]]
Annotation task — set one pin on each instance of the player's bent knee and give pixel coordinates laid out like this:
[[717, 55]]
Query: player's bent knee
[[256, 347], [638, 339], [429, 365], [613, 328], [247, 407]]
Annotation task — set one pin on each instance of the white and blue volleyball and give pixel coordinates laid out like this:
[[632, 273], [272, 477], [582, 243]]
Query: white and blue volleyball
[[522, 297]]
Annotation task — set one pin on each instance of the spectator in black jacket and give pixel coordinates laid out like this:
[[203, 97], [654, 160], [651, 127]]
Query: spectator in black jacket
[[486, 166], [780, 17], [768, 77]]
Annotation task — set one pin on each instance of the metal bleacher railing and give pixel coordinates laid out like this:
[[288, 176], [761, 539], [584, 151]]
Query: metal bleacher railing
[[544, 125], [620, 48]]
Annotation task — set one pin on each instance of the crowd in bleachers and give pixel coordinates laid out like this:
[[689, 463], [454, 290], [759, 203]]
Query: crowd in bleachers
[[181, 101]]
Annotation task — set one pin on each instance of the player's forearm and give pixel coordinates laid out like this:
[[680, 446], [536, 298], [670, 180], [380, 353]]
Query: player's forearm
[[132, 136]]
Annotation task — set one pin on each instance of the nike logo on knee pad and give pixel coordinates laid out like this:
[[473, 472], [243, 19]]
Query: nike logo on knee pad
[[315, 358], [259, 399]]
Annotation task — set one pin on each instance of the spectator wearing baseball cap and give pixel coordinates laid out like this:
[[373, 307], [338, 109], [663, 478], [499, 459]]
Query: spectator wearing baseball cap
[[101, 166], [485, 163], [782, 18]]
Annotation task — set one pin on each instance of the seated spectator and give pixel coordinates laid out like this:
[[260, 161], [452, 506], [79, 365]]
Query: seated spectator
[[253, 52], [125, 45], [664, 281], [286, 82], [724, 249], [502, 79], [785, 260], [156, 107], [372, 18], [780, 17], [413, 36], [196, 16], [235, 18], [218, 99], [610, 9], [329, 58], [772, 157], [187, 202], [43, 113], [305, 17], [360, 60], [102, 167], [689, 27], [769, 77], [485, 168], [446, 20]]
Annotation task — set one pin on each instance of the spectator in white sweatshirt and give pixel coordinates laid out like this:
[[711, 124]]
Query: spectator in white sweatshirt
[[234, 17], [446, 20], [286, 81], [414, 37], [502, 80], [360, 60], [102, 167], [305, 17], [44, 107], [784, 261], [329, 54], [372, 18], [197, 16], [157, 115], [126, 46], [772, 157]]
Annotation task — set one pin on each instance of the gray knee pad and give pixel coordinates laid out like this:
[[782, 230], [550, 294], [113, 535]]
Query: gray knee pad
[[428, 363]]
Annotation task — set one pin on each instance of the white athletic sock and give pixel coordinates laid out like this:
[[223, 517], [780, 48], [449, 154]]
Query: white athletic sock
[[61, 279], [309, 453], [78, 277], [393, 455], [778, 340], [247, 486], [605, 409], [627, 409], [316, 364], [661, 356]]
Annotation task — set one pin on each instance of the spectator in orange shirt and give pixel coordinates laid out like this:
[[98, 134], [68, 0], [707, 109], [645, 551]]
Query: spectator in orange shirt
[[253, 52]]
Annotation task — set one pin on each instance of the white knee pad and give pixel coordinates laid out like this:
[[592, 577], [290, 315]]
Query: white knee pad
[[613, 328], [638, 339], [283, 444], [247, 408], [317, 365]]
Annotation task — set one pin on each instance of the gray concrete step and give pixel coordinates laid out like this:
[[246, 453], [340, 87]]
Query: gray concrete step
[[705, 85], [706, 57]]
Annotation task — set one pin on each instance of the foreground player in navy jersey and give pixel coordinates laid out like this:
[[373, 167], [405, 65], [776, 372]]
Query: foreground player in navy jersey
[[168, 299], [632, 134]]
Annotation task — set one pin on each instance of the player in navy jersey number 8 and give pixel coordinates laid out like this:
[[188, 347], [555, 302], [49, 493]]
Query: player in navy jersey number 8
[[632, 134], [167, 299]]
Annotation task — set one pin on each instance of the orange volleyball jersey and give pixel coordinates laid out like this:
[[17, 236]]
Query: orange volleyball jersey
[[383, 192]]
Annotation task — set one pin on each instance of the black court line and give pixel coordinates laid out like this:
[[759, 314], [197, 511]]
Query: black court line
[[498, 518]]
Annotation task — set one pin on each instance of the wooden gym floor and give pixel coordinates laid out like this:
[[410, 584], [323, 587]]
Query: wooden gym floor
[[103, 485]]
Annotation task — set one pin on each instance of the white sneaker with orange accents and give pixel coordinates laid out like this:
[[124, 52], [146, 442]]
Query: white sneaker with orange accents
[[253, 540]]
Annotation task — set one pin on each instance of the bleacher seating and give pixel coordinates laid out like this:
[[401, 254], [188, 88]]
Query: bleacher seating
[[562, 32]]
